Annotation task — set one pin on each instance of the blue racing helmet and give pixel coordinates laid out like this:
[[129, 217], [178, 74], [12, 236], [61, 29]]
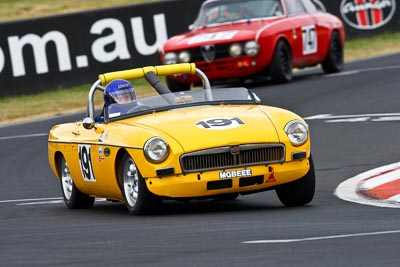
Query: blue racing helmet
[[119, 91]]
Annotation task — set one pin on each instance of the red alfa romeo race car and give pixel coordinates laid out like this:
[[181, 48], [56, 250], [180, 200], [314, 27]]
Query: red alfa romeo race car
[[252, 39]]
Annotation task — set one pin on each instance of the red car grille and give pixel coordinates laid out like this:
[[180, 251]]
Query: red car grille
[[221, 65], [221, 51]]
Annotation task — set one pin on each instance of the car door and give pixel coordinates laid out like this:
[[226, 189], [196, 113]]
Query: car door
[[87, 159], [306, 34]]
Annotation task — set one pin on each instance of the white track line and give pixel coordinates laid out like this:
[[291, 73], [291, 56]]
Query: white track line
[[23, 136], [319, 237], [30, 199], [47, 202], [40, 201]]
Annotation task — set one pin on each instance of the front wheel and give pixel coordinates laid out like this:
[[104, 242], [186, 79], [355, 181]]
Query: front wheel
[[334, 59], [281, 66], [73, 198], [299, 192], [138, 198]]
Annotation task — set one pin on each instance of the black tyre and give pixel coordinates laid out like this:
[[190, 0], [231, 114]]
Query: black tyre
[[281, 67], [175, 86], [138, 199], [334, 60], [299, 192], [73, 198]]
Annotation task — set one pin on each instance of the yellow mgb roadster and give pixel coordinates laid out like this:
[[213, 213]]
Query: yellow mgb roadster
[[203, 143]]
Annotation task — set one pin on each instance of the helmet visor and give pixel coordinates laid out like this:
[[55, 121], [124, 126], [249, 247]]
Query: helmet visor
[[123, 96]]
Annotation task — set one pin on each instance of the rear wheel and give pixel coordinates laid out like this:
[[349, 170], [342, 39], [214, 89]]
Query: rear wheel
[[281, 67], [73, 198], [138, 198], [334, 59], [299, 192], [175, 86]]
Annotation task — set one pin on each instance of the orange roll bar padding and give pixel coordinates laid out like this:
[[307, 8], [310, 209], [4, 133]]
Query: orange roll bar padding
[[138, 73]]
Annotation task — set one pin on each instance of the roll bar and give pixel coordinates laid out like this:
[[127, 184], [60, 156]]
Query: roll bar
[[131, 74]]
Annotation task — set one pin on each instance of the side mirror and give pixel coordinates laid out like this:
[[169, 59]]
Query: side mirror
[[88, 123]]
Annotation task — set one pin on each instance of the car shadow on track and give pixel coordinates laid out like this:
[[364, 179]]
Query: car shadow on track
[[172, 207]]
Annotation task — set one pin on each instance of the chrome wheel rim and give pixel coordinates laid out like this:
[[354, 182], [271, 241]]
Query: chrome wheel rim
[[131, 182], [66, 180]]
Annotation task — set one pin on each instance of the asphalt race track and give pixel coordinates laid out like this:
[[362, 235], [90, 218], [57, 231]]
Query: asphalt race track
[[354, 122]]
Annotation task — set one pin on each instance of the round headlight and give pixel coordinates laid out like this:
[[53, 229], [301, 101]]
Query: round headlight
[[170, 58], [235, 50], [156, 149], [184, 57], [251, 48], [297, 132]]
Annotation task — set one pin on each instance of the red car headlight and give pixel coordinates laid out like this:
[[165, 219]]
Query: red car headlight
[[235, 50], [170, 58], [184, 57], [251, 48]]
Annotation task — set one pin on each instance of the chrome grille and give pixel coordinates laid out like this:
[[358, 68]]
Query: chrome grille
[[223, 157]]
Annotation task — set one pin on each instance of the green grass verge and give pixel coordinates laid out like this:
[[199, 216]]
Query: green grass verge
[[373, 46]]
